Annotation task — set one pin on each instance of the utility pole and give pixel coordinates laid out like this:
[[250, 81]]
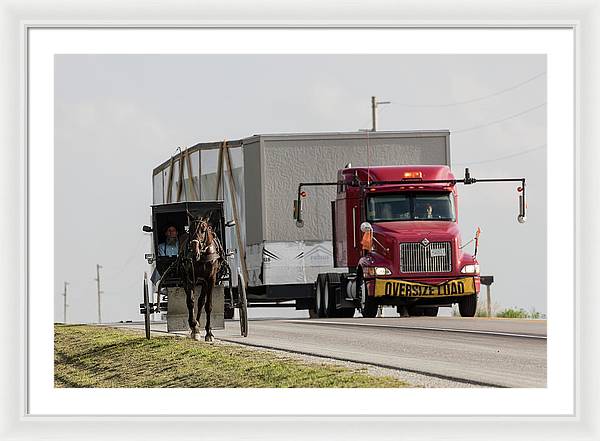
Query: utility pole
[[97, 279], [65, 304], [374, 104]]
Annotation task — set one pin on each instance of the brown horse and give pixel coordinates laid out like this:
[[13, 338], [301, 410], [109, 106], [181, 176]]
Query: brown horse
[[202, 260], [199, 262]]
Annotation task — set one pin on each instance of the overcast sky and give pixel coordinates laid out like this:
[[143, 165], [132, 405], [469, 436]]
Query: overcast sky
[[119, 116]]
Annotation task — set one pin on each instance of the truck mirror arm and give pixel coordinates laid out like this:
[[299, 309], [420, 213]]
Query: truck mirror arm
[[467, 180], [298, 205]]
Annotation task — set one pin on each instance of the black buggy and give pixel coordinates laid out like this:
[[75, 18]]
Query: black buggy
[[178, 214]]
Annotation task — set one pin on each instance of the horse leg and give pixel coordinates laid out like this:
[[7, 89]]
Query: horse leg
[[208, 308], [201, 298], [189, 300]]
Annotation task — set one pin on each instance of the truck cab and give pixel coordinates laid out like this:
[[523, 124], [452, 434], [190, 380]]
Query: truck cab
[[396, 230]]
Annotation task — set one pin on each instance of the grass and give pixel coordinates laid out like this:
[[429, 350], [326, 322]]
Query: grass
[[519, 313], [92, 356]]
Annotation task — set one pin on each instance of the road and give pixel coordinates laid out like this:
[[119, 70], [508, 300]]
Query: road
[[475, 351]]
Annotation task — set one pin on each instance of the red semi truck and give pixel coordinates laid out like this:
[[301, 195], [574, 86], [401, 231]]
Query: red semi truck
[[395, 229]]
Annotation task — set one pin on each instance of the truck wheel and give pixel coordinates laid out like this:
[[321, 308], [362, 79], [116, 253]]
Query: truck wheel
[[368, 306], [432, 311], [319, 305], [332, 281], [468, 306], [328, 301], [346, 312]]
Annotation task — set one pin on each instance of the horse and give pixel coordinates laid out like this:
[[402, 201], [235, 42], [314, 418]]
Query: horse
[[199, 262]]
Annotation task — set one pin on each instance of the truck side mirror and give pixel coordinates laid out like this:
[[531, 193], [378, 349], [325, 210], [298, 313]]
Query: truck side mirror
[[147, 229], [522, 218], [298, 212]]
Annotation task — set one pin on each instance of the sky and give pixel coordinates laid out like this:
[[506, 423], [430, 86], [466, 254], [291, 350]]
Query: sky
[[119, 116]]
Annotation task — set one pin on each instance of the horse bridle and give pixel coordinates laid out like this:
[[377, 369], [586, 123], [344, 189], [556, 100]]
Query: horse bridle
[[205, 226]]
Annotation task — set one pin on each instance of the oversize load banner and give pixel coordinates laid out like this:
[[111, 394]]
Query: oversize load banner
[[401, 288]]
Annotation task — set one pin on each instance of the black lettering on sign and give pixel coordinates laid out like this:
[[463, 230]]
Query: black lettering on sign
[[461, 287], [396, 288], [453, 289], [388, 289], [401, 289]]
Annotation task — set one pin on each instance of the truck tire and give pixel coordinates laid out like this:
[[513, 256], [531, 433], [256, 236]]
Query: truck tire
[[319, 305], [328, 299], [468, 306], [333, 281], [346, 312], [368, 307], [431, 311]]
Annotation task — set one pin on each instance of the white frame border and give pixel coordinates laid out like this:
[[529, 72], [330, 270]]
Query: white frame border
[[13, 425]]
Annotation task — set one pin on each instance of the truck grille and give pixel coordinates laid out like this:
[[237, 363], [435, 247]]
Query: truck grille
[[417, 258]]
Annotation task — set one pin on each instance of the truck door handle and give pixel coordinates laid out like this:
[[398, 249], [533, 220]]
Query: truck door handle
[[354, 226]]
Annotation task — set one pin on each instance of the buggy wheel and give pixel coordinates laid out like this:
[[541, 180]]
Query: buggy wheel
[[146, 307], [243, 306]]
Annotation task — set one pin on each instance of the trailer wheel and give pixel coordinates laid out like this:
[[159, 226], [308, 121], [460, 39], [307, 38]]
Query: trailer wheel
[[468, 306], [368, 306]]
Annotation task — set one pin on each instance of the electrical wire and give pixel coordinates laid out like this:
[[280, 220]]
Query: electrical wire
[[468, 129], [473, 100], [499, 158], [127, 262]]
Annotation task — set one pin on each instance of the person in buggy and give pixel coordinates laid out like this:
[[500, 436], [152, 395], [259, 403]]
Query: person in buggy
[[170, 248]]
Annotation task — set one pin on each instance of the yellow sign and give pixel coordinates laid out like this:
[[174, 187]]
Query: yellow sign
[[402, 288]]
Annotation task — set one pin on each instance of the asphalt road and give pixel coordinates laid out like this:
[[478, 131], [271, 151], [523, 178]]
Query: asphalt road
[[484, 352]]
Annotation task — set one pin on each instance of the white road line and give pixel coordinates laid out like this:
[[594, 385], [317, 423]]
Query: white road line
[[424, 328]]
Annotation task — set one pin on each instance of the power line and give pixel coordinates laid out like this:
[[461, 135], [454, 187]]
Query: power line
[[132, 255], [499, 120], [499, 158], [481, 98]]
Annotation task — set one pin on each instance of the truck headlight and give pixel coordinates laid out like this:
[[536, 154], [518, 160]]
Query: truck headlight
[[378, 271], [470, 269]]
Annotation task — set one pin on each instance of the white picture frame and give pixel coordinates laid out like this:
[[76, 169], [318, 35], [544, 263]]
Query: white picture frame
[[17, 18]]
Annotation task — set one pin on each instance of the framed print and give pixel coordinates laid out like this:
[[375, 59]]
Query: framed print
[[81, 153]]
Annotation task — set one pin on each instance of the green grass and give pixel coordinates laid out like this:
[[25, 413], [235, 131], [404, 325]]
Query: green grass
[[92, 356], [519, 313]]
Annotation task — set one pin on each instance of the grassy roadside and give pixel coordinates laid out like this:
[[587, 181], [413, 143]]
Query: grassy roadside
[[91, 356]]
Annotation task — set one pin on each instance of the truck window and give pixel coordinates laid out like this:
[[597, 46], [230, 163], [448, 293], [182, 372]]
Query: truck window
[[410, 206]]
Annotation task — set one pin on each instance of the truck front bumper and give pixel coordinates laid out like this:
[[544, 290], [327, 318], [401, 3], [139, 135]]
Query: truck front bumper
[[457, 287]]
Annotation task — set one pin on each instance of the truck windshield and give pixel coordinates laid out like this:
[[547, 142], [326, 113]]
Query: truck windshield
[[410, 206]]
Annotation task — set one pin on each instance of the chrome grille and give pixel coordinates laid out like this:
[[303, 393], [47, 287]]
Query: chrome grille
[[417, 258]]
